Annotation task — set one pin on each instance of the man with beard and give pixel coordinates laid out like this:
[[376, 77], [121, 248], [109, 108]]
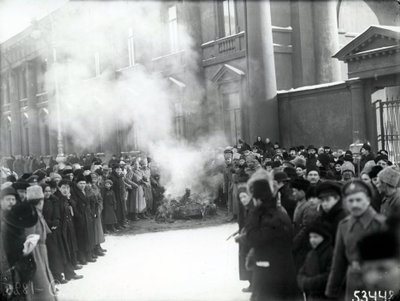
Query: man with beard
[[362, 221], [116, 177], [388, 181]]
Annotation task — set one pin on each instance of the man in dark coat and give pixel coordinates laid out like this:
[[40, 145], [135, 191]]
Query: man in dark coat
[[118, 186], [55, 248], [68, 230], [269, 232], [83, 219]]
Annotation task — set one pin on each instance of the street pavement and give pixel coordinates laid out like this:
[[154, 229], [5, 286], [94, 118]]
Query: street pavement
[[190, 264]]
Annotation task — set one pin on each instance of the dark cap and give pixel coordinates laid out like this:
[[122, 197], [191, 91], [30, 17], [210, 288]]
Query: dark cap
[[301, 184], [22, 215], [281, 176], [328, 188], [321, 229]]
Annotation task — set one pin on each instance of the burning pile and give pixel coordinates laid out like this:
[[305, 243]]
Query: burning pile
[[196, 205]]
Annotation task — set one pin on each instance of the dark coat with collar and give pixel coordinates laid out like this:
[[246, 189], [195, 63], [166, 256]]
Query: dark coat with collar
[[54, 242], [119, 190], [67, 227], [313, 275], [270, 233], [83, 217], [332, 218]]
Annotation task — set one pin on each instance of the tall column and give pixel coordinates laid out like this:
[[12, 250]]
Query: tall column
[[358, 112], [303, 60], [326, 41], [262, 104], [15, 115], [34, 134]]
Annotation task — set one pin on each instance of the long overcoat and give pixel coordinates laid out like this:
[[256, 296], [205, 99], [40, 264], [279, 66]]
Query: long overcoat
[[54, 241], [96, 202], [67, 225], [270, 233], [83, 218]]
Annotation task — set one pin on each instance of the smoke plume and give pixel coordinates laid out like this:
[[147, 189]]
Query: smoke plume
[[140, 99]]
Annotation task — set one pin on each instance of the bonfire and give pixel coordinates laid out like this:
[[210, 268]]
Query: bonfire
[[189, 206]]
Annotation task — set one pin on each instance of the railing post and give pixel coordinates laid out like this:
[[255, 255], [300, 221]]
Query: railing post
[[381, 123]]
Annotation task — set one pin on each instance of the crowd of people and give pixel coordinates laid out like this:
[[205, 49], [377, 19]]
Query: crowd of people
[[310, 219], [53, 219], [314, 224]]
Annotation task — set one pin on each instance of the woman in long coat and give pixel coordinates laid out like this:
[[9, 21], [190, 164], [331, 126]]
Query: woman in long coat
[[269, 232], [97, 209], [43, 282], [54, 243]]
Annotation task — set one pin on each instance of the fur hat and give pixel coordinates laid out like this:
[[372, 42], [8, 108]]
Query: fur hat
[[301, 184], [7, 191], [368, 166], [348, 166], [22, 215], [299, 161], [374, 171], [260, 174], [328, 188], [34, 193], [262, 190], [389, 176]]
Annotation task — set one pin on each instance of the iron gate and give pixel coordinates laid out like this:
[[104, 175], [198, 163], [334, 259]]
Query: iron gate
[[388, 127]]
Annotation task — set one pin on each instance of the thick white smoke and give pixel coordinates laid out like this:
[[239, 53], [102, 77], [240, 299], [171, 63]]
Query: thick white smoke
[[142, 101]]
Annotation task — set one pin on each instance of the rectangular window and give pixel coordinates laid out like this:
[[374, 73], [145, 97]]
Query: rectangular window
[[232, 117], [173, 28], [40, 76], [23, 83], [131, 48], [227, 15]]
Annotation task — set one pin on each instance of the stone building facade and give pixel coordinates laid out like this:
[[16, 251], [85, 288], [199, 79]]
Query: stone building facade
[[249, 55]]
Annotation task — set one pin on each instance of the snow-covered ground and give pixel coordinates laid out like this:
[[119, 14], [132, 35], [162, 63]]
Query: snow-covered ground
[[194, 264]]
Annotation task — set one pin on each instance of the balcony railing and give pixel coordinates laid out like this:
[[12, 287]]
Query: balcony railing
[[224, 49], [169, 63]]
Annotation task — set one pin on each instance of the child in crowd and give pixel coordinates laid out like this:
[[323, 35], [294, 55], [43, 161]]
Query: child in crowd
[[313, 275], [110, 205]]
